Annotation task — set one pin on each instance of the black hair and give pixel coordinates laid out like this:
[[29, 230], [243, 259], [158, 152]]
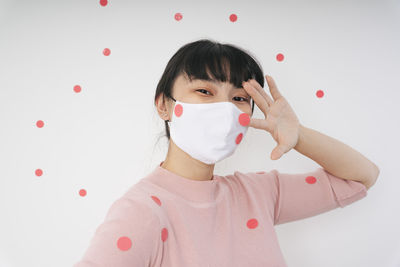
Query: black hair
[[224, 61]]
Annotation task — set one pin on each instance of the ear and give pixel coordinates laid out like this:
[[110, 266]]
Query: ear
[[162, 107]]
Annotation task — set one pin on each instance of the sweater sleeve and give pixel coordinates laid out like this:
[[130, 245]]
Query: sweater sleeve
[[304, 195], [129, 236]]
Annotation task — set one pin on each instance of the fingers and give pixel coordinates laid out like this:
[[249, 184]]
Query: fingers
[[261, 91], [260, 124], [273, 88], [257, 97], [257, 123]]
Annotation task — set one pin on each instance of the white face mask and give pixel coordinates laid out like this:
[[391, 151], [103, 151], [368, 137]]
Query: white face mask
[[208, 132]]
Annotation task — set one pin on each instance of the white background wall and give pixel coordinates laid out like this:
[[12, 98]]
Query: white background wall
[[104, 139]]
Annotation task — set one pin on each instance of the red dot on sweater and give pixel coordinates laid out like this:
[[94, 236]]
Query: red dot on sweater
[[244, 119], [239, 138], [320, 93], [77, 88], [233, 17], [311, 179], [279, 57], [178, 110], [157, 200], [82, 192], [178, 16], [124, 243], [252, 223], [39, 123], [38, 172], [106, 51], [103, 2], [164, 234]]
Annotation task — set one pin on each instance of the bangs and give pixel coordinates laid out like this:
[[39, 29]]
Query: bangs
[[220, 62]]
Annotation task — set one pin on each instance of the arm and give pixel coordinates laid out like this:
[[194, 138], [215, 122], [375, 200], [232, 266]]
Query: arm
[[129, 236], [336, 157]]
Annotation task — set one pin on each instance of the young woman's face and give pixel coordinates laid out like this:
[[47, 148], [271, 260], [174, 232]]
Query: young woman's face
[[202, 91]]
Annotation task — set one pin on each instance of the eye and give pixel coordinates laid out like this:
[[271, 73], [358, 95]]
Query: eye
[[245, 99], [202, 90]]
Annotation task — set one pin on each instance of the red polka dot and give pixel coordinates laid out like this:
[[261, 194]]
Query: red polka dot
[[164, 234], [157, 200], [38, 172], [39, 123], [320, 93], [244, 119], [279, 57], [124, 243], [77, 88], [103, 2], [106, 51], [178, 16], [82, 192], [233, 17], [239, 138], [311, 179], [252, 223], [178, 110]]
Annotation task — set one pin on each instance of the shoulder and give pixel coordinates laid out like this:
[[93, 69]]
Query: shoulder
[[138, 198], [135, 207], [132, 214], [130, 224]]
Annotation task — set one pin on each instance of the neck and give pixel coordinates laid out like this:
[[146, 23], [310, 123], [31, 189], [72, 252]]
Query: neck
[[181, 163]]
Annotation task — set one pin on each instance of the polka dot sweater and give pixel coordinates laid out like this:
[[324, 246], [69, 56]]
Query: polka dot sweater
[[171, 221]]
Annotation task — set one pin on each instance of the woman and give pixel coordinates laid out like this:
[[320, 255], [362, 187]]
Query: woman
[[182, 214]]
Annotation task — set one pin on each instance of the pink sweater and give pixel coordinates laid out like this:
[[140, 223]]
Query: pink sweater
[[170, 221]]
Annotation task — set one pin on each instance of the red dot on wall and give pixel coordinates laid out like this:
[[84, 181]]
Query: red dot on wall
[[233, 17], [178, 16], [77, 88], [39, 123], [320, 93], [103, 2], [38, 172], [82, 192], [279, 57], [106, 51]]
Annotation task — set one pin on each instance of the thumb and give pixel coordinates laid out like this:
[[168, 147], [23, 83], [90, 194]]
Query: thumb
[[259, 124], [277, 152]]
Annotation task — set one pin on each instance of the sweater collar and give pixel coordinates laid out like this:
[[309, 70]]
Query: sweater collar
[[192, 190]]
